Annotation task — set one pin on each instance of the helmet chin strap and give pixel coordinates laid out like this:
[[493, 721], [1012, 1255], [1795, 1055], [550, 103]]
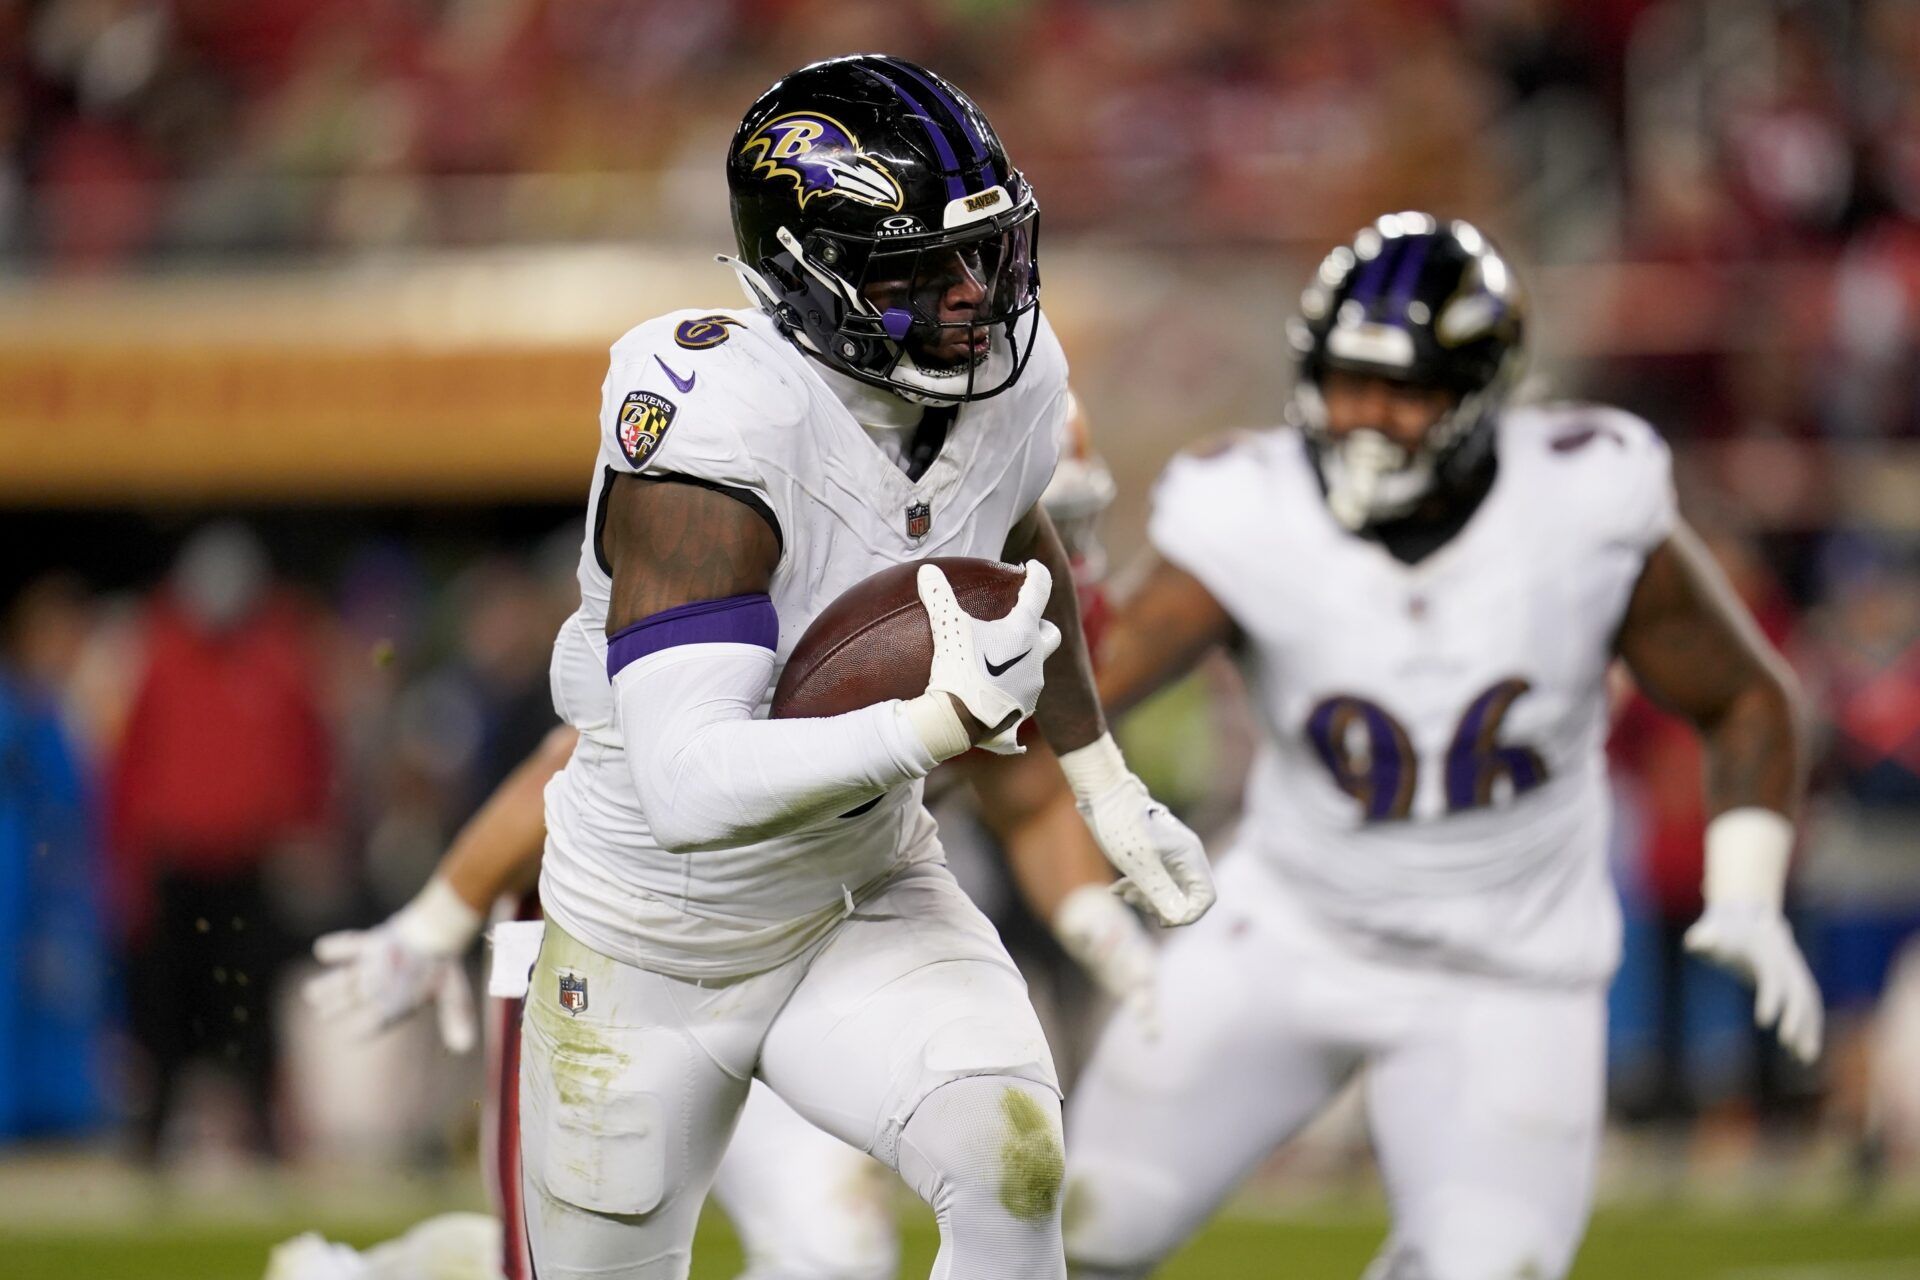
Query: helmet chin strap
[[1368, 477], [931, 386]]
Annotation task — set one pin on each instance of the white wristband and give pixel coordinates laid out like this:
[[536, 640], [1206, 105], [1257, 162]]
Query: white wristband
[[1747, 853], [1088, 916], [937, 724], [1095, 768], [438, 922]]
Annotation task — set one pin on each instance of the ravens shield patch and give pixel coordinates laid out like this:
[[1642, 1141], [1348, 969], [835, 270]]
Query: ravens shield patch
[[644, 419]]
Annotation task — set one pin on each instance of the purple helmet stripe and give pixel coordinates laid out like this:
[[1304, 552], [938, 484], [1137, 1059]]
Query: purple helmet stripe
[[1407, 276], [1373, 275], [980, 153], [955, 187]]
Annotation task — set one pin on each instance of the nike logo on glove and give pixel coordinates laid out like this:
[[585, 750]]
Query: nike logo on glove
[[1002, 668], [684, 384]]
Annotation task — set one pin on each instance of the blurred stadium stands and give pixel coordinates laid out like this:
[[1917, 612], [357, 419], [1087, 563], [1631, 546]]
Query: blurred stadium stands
[[347, 270]]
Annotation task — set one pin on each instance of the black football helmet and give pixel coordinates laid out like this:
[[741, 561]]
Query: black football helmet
[[1415, 300], [864, 189]]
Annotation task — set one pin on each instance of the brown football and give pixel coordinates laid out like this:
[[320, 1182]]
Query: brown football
[[874, 641]]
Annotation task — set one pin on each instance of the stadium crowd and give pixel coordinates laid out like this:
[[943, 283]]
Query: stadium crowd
[[135, 129], [1758, 225]]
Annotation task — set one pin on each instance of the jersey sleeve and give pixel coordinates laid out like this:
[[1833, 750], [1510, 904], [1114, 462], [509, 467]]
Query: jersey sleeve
[[1650, 509], [1625, 474], [666, 412]]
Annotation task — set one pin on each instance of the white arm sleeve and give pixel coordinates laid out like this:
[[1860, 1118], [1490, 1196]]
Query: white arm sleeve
[[710, 776]]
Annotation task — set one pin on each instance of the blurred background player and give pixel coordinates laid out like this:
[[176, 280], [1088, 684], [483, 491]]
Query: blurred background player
[[806, 1205], [1426, 590]]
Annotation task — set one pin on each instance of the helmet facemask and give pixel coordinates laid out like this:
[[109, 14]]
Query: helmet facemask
[[872, 307], [1371, 478]]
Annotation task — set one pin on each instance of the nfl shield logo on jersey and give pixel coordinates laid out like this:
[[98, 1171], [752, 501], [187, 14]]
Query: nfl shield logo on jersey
[[919, 519], [573, 993]]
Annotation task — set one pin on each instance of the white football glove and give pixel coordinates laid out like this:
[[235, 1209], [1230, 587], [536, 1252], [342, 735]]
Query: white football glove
[[1754, 943], [376, 977], [993, 667], [465, 1245], [1744, 931], [1162, 864], [1107, 940]]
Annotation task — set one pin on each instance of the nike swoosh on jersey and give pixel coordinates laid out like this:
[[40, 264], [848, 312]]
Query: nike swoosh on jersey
[[1002, 668], [683, 385]]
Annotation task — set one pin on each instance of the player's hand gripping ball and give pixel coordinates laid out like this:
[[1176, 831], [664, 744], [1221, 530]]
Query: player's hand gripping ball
[[876, 641]]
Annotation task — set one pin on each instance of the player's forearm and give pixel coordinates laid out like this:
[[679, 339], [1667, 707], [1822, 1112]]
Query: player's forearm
[[498, 850], [1027, 805], [1753, 749], [1160, 630], [710, 776], [1069, 711], [1694, 649], [1052, 854]]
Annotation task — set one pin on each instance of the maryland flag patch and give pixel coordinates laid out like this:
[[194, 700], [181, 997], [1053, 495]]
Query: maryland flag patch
[[644, 419]]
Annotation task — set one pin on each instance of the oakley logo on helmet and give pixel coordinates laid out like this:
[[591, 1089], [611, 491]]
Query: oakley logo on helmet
[[822, 157]]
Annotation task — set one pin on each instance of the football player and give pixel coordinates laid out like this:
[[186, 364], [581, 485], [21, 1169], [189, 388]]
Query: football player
[[805, 1205], [1425, 588], [730, 897]]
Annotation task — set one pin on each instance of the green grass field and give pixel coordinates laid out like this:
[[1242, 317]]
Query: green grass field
[[1623, 1245]]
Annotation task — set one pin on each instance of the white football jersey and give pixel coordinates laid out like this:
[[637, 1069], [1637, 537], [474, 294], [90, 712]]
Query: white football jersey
[[723, 399], [1432, 780]]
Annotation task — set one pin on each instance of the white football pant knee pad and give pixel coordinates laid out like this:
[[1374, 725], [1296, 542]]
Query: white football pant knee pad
[[985, 1152]]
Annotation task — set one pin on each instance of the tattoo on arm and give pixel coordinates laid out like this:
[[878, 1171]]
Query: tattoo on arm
[[1069, 713], [673, 544], [1157, 633], [1694, 649]]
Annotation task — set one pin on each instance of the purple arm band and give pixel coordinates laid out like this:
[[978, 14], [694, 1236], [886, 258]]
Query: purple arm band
[[748, 619]]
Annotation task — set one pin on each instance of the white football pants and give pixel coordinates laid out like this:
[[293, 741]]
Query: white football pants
[[906, 1033], [805, 1205], [1484, 1096]]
